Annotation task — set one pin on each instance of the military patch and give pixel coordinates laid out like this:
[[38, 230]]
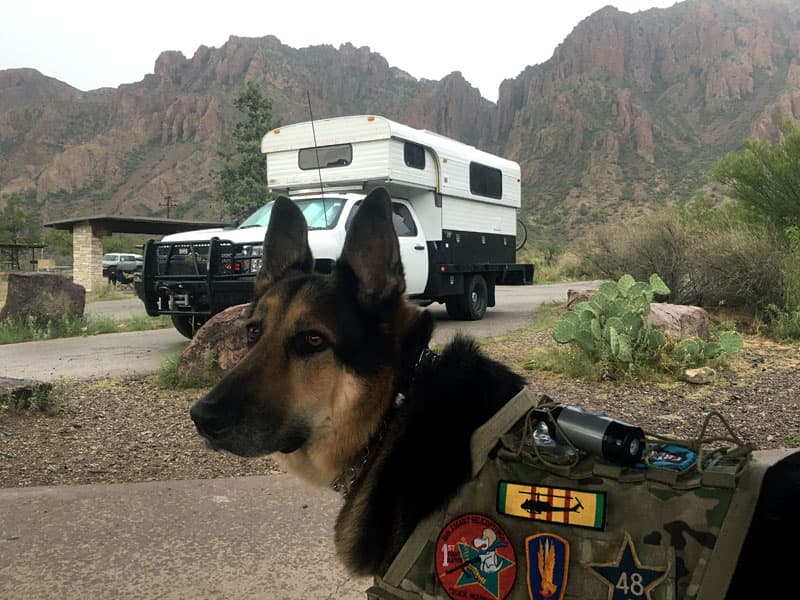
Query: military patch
[[548, 564], [475, 559], [565, 506], [626, 577]]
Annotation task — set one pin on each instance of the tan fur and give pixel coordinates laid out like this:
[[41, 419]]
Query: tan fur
[[343, 410]]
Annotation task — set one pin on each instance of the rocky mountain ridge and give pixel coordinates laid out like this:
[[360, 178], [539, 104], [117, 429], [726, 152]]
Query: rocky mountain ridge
[[630, 111]]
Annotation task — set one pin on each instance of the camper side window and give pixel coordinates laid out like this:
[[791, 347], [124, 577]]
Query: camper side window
[[485, 181], [339, 155], [414, 155]]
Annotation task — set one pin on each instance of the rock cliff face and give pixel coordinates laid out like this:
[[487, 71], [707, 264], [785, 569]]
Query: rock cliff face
[[636, 108], [630, 109]]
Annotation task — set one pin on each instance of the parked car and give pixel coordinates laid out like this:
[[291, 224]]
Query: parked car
[[122, 261]]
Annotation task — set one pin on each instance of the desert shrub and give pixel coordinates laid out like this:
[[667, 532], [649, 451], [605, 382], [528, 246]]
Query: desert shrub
[[705, 259], [570, 267], [744, 266], [783, 325], [553, 263]]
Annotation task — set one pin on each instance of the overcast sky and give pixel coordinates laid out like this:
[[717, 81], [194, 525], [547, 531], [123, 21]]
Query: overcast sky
[[90, 44]]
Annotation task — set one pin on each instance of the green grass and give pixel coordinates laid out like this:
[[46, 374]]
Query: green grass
[[106, 291], [170, 377], [27, 330], [547, 315], [48, 398]]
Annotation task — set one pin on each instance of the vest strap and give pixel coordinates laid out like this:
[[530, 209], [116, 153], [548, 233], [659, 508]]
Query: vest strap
[[485, 437]]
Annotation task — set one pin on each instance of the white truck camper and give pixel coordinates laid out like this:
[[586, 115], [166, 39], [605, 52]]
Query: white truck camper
[[455, 211]]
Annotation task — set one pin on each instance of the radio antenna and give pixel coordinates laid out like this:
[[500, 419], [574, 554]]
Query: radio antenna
[[314, 135], [316, 154]]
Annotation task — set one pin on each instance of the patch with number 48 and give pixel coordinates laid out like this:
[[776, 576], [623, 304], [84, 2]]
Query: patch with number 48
[[626, 577]]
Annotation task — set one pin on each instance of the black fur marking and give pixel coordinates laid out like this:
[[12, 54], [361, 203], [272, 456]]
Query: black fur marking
[[371, 253], [285, 246], [426, 450]]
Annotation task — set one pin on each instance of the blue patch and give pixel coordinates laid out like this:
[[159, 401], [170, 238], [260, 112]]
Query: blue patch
[[548, 564], [626, 577]]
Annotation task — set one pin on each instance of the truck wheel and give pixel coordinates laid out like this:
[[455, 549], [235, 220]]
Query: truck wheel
[[476, 298], [183, 325], [471, 306]]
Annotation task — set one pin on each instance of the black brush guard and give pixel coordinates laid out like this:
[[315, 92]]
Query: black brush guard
[[198, 278]]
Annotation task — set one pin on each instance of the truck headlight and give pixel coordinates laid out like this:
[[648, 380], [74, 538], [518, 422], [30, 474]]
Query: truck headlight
[[252, 249], [254, 252]]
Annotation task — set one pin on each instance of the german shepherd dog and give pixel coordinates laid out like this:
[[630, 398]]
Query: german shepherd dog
[[340, 387]]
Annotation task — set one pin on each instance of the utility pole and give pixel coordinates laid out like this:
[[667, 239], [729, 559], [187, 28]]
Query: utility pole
[[168, 203]]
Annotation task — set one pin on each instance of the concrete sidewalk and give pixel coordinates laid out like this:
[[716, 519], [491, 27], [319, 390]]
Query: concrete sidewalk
[[268, 537]]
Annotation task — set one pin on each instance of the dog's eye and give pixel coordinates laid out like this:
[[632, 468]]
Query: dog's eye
[[253, 333], [308, 342]]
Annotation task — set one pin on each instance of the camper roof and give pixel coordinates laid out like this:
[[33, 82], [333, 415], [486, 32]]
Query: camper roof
[[362, 128]]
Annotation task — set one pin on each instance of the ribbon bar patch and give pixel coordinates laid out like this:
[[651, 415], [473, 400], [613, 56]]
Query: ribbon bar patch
[[566, 506]]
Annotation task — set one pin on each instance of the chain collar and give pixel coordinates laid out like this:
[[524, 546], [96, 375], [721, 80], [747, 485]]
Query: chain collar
[[344, 481]]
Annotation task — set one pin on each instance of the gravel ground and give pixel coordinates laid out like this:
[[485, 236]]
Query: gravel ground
[[125, 430]]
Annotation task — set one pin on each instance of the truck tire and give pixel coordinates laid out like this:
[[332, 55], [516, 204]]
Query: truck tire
[[471, 305], [454, 306], [184, 326]]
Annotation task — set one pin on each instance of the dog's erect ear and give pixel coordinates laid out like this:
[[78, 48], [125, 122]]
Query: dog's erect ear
[[372, 252], [285, 245]]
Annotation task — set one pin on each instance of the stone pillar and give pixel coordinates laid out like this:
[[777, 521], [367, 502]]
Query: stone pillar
[[87, 254]]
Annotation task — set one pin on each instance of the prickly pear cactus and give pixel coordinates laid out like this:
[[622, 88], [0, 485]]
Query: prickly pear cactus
[[694, 352], [611, 328]]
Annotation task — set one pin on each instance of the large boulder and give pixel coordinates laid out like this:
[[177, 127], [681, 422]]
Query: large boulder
[[224, 334], [43, 297], [679, 321]]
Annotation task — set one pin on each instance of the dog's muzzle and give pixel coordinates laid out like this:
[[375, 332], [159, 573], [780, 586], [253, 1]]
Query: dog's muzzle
[[210, 426], [225, 426]]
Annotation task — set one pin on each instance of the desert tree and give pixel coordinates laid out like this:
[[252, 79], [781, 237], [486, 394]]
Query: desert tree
[[241, 181], [765, 178], [18, 223]]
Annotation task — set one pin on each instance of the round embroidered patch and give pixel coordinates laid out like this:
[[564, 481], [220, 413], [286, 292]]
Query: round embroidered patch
[[475, 559]]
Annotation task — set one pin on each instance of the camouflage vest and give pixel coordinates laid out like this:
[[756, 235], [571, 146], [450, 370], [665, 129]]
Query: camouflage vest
[[524, 528]]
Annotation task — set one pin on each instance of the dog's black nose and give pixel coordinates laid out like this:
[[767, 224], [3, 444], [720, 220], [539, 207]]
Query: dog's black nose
[[208, 425]]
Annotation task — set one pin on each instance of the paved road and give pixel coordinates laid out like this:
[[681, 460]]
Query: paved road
[[248, 538], [117, 354]]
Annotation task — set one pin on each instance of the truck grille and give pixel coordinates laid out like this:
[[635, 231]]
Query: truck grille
[[190, 258]]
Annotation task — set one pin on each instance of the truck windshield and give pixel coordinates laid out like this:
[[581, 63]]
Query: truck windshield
[[320, 213]]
